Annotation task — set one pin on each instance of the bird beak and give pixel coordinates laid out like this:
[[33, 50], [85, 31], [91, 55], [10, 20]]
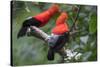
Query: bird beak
[[22, 32]]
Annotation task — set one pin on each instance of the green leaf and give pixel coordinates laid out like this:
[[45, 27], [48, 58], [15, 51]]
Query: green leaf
[[93, 24]]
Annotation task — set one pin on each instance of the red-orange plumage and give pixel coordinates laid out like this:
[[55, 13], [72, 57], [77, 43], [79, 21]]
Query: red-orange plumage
[[61, 19], [61, 26], [46, 15]]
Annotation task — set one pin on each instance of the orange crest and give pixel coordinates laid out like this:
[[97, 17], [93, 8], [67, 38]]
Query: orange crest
[[62, 18], [61, 26]]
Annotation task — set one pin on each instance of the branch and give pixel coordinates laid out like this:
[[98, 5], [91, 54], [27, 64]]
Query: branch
[[36, 32], [75, 19]]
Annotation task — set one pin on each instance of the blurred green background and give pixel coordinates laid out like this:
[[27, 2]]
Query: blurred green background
[[32, 51]]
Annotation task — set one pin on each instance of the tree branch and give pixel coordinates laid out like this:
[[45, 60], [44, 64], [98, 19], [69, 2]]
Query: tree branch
[[75, 19]]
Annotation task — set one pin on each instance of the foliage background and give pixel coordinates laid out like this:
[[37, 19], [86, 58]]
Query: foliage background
[[31, 51]]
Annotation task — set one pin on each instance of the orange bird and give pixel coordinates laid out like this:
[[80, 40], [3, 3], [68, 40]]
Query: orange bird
[[39, 20], [59, 38]]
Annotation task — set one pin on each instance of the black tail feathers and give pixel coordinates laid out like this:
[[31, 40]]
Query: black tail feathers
[[27, 23], [22, 32], [50, 55]]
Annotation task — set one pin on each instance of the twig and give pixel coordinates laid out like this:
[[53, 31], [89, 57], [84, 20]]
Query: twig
[[27, 8], [75, 19]]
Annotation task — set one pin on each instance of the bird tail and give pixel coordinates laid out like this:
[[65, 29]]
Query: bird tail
[[22, 32], [50, 55]]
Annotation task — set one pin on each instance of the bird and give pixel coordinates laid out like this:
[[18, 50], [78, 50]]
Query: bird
[[39, 20], [59, 37]]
